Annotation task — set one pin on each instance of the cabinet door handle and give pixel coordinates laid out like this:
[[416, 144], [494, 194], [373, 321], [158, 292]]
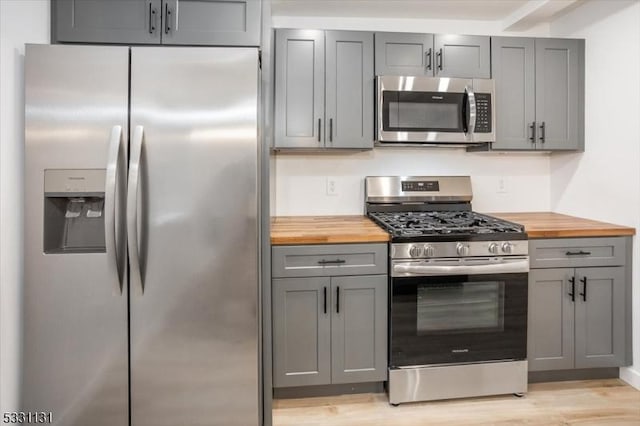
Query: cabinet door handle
[[572, 280], [578, 253], [337, 299], [440, 59], [319, 128], [427, 59], [331, 262], [543, 132], [533, 132], [167, 18], [324, 291], [153, 18], [331, 130], [584, 288]]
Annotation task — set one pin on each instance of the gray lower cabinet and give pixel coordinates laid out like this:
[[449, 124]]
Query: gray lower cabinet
[[323, 89], [329, 329], [539, 93], [177, 22], [442, 55], [301, 331], [578, 316]]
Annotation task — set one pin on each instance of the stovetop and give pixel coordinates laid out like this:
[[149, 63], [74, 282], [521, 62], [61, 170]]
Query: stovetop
[[442, 224]]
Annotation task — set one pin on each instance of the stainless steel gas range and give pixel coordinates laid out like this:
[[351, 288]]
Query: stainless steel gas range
[[458, 291]]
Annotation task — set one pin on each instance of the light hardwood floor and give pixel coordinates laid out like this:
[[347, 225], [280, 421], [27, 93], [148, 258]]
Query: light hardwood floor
[[591, 402]]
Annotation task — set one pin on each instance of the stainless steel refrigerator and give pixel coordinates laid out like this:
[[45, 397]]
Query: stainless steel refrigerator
[[141, 235]]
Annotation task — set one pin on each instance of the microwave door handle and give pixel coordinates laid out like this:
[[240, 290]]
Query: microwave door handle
[[471, 104]]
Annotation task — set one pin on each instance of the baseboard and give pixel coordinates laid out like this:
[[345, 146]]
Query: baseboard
[[327, 390], [631, 376]]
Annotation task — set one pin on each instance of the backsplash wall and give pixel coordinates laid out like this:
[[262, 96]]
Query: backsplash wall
[[501, 182]]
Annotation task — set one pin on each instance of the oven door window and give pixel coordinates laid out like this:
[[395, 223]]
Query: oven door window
[[406, 111], [458, 319], [466, 307]]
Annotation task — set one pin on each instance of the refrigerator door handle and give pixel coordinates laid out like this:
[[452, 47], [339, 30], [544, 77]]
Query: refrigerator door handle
[[110, 229], [135, 276]]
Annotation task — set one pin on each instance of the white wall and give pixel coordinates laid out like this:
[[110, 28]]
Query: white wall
[[20, 22], [300, 180], [604, 182]]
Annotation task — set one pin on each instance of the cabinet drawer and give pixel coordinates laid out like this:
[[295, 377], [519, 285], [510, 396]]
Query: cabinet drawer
[[325, 260], [576, 252]]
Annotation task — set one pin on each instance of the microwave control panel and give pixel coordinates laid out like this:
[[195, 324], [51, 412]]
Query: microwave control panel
[[483, 113]]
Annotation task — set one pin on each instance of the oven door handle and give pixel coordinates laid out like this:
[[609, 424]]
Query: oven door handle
[[407, 269]]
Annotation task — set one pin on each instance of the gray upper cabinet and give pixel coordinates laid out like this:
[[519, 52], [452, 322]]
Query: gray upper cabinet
[[211, 22], [462, 56], [441, 55], [324, 89], [188, 22], [560, 94], [301, 332], [404, 54], [540, 93], [348, 89], [299, 89], [106, 21], [359, 329]]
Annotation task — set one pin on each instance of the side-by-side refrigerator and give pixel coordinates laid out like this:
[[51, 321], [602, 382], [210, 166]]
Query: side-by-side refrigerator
[[141, 236]]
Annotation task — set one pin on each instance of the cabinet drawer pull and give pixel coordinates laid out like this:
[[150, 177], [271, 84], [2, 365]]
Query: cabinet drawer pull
[[533, 132], [331, 262], [572, 280], [584, 288], [337, 299], [543, 133], [319, 129], [578, 253], [152, 19], [440, 59]]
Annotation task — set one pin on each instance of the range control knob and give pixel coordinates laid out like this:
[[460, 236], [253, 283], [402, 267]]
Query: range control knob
[[494, 248], [463, 249], [507, 248], [415, 251], [429, 250]]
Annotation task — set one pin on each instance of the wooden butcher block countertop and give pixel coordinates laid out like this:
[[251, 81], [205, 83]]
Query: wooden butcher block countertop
[[325, 230], [555, 225]]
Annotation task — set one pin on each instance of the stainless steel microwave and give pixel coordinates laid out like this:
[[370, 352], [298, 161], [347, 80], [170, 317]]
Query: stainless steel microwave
[[434, 110]]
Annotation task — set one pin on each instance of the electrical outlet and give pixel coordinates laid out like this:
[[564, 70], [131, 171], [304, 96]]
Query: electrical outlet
[[502, 185], [332, 186]]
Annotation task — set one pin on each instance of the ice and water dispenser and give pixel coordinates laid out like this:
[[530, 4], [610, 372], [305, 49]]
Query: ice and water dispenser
[[74, 211]]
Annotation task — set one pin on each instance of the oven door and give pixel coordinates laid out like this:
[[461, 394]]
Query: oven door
[[425, 109], [458, 318]]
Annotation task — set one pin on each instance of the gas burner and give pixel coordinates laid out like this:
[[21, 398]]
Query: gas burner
[[410, 224]]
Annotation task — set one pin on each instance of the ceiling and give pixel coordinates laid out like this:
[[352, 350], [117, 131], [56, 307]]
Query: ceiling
[[483, 10], [511, 15]]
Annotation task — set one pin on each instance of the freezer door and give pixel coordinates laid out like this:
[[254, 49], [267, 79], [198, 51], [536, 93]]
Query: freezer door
[[75, 302], [193, 179]]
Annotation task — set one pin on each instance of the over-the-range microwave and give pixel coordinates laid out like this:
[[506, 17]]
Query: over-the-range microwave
[[434, 110]]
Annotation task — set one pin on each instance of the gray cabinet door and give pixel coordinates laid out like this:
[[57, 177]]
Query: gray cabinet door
[[551, 320], [462, 56], [513, 70], [404, 54], [349, 89], [560, 94], [600, 319], [301, 332], [299, 89], [107, 21], [211, 22], [359, 329]]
